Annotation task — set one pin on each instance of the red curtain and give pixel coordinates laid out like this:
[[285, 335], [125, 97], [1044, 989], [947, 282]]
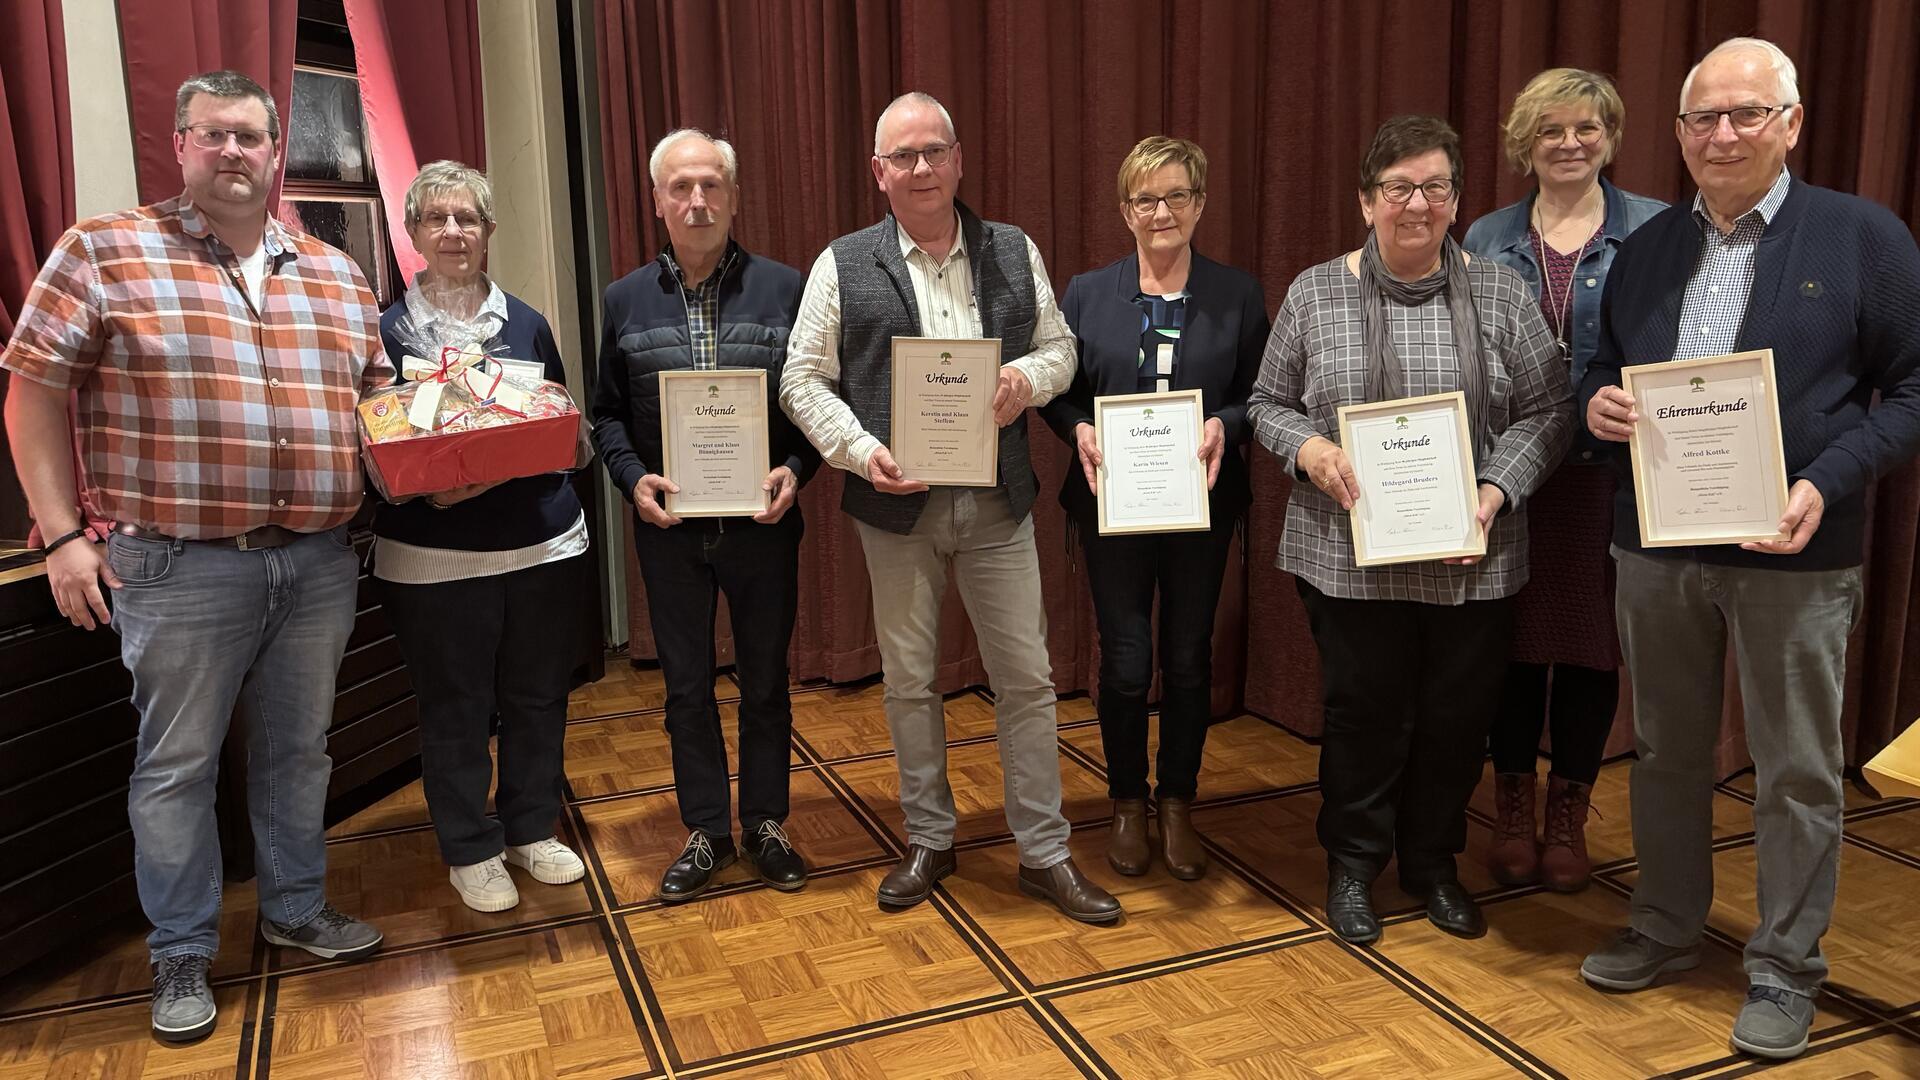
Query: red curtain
[[163, 42], [1049, 97], [420, 90], [36, 179]]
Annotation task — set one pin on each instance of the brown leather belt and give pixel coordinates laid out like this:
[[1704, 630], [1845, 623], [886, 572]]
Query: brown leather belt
[[266, 536]]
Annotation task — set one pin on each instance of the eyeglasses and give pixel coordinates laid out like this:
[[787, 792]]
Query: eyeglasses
[[1399, 191], [1177, 200], [907, 160], [215, 138], [436, 220], [1747, 119], [1586, 133]]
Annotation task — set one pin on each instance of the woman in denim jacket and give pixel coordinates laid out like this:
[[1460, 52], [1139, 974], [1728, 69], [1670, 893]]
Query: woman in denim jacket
[[1563, 129]]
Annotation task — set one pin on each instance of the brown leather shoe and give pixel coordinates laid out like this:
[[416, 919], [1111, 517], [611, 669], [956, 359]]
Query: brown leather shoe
[[1179, 845], [1563, 861], [913, 879], [1067, 887], [1127, 849], [1514, 858]]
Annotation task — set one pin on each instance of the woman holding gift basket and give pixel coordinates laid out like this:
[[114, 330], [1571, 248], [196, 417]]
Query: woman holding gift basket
[[475, 579]]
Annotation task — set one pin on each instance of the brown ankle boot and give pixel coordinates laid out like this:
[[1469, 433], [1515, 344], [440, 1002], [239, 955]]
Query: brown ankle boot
[[1179, 845], [1127, 849], [1563, 859], [1515, 858]]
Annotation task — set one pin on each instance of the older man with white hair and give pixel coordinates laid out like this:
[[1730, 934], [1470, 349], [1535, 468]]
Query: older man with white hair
[[1760, 259], [708, 303], [933, 268]]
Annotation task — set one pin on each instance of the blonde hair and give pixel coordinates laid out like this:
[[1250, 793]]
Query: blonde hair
[[1559, 88], [1156, 152], [437, 178]]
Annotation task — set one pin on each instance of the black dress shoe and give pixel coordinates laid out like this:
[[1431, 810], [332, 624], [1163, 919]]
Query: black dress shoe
[[772, 855], [913, 879], [693, 871], [1071, 892], [1453, 910], [1350, 907]]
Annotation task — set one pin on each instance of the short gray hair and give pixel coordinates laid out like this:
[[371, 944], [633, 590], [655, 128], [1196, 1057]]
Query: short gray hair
[[223, 84], [912, 97], [438, 178], [729, 163], [1783, 70]]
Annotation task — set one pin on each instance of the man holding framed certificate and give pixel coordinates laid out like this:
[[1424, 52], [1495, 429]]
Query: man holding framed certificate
[[1788, 307], [684, 418], [933, 269]]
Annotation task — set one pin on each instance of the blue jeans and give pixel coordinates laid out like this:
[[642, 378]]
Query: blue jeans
[[207, 631]]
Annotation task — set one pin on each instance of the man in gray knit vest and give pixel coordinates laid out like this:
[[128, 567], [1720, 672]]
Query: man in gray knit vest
[[934, 269]]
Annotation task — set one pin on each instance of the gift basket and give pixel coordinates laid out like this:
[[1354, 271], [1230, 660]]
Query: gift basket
[[467, 414]]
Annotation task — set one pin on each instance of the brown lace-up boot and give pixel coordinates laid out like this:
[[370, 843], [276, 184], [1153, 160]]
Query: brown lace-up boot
[[1563, 858], [1515, 857]]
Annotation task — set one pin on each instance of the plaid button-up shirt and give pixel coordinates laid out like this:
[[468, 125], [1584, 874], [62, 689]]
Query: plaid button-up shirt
[[200, 416], [703, 310], [1316, 362], [1715, 304]]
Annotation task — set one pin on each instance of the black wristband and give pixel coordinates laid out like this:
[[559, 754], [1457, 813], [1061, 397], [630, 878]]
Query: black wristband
[[47, 548]]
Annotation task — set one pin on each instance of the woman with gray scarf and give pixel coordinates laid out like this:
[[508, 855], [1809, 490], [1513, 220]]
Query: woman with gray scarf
[[1412, 655]]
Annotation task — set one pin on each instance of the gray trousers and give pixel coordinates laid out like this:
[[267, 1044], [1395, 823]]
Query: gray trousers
[[993, 559], [1789, 635]]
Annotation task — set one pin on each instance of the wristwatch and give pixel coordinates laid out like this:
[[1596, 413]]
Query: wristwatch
[[436, 504]]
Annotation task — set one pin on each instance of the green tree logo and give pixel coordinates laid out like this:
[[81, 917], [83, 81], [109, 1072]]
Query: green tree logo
[[1699, 384], [1400, 422], [713, 391], [946, 358], [1147, 415]]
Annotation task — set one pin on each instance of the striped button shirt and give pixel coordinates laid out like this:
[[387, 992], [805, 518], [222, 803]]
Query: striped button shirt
[[200, 415], [1715, 304], [1316, 362]]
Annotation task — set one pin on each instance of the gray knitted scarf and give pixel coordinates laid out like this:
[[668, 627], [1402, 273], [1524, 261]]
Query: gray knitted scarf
[[1385, 374]]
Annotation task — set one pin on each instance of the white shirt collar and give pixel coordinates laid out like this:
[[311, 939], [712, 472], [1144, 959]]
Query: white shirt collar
[[908, 247]]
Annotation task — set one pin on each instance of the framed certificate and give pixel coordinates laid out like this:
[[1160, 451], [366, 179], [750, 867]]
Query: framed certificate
[[1419, 498], [1151, 475], [713, 441], [1708, 467], [943, 429]]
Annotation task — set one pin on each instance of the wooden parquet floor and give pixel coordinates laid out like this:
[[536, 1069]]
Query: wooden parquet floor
[[1232, 976]]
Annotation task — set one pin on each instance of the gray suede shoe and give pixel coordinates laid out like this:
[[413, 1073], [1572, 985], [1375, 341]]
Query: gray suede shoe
[[182, 1000], [1773, 1023], [328, 935], [1632, 960]]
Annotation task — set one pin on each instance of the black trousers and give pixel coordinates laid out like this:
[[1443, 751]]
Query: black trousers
[[1583, 701], [686, 568], [1124, 572], [1409, 691], [504, 644]]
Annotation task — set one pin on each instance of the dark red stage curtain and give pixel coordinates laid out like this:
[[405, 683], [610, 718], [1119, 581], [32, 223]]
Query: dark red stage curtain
[[419, 63], [1283, 97]]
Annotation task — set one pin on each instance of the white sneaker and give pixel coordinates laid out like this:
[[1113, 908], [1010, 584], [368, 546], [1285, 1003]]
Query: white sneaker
[[548, 860], [484, 886]]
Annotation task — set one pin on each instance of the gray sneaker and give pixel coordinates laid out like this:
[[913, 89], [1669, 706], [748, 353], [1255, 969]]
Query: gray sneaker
[[1632, 960], [182, 1000], [1773, 1023], [328, 935]]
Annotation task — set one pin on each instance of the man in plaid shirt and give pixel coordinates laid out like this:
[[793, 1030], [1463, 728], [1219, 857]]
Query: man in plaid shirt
[[216, 357]]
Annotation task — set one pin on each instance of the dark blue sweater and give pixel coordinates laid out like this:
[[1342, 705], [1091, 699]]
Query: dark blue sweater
[[1836, 296], [518, 513]]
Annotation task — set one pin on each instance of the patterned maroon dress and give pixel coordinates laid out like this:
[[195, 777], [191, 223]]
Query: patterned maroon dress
[[1565, 613]]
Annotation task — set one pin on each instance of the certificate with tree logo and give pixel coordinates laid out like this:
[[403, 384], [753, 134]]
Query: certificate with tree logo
[[1419, 499], [1151, 476], [942, 419], [714, 442], [1708, 467]]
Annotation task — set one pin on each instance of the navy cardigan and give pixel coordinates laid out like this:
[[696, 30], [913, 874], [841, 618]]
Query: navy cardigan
[[516, 514], [1836, 296], [1221, 344]]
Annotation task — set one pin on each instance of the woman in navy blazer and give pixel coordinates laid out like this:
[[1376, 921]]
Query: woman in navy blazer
[[1163, 318]]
